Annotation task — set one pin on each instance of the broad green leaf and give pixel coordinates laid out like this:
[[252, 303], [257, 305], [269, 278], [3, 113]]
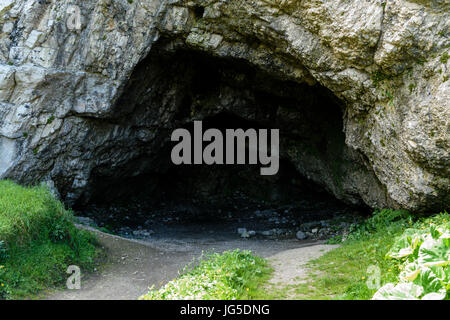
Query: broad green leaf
[[434, 252], [435, 232], [446, 238], [434, 296], [416, 242], [447, 274], [402, 291], [401, 248], [402, 253], [410, 273], [430, 282], [439, 271], [406, 245]]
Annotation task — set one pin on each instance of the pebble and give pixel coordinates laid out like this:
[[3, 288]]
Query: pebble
[[301, 235], [241, 230], [245, 235], [142, 233], [86, 221]]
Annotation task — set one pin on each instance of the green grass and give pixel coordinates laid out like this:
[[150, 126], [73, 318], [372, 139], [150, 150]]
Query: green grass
[[344, 273], [38, 241], [231, 275]]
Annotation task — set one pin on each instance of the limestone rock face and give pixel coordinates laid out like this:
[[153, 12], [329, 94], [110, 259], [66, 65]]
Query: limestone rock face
[[92, 89]]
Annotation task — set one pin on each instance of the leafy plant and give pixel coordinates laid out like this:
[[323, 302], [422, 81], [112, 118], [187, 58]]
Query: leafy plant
[[226, 276], [387, 221], [424, 256], [4, 288]]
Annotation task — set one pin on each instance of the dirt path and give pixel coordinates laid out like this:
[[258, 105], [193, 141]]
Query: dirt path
[[133, 266], [290, 267]]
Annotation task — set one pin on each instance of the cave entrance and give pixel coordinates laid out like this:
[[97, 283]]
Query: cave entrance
[[171, 89]]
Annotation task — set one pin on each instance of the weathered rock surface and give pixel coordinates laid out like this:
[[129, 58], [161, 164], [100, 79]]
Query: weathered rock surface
[[90, 91]]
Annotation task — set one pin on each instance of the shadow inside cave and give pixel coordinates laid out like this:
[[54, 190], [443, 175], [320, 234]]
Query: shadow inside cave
[[172, 88], [212, 202]]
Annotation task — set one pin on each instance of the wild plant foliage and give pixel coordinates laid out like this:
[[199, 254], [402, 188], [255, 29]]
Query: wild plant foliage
[[423, 253], [227, 276]]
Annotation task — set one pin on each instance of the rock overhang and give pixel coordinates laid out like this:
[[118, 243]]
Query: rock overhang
[[384, 61]]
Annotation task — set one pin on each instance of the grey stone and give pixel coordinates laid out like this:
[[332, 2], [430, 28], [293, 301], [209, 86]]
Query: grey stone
[[267, 233], [245, 235], [242, 231], [301, 235], [86, 221]]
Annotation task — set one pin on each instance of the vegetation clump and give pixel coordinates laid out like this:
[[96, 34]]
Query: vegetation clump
[[38, 241], [378, 77], [423, 255], [444, 58], [227, 276]]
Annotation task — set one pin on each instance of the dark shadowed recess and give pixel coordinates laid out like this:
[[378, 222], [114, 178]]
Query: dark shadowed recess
[[173, 87]]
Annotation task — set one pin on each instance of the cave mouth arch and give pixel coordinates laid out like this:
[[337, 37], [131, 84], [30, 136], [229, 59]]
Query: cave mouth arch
[[170, 89]]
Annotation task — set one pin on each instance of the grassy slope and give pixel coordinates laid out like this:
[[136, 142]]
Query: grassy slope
[[38, 241]]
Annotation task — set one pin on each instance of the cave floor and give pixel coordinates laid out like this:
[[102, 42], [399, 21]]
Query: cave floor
[[147, 246], [193, 224]]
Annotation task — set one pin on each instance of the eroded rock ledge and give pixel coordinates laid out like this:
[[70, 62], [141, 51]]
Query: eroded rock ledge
[[360, 87]]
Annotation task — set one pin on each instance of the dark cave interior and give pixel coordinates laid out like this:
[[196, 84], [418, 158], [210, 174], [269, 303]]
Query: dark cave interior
[[172, 88]]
